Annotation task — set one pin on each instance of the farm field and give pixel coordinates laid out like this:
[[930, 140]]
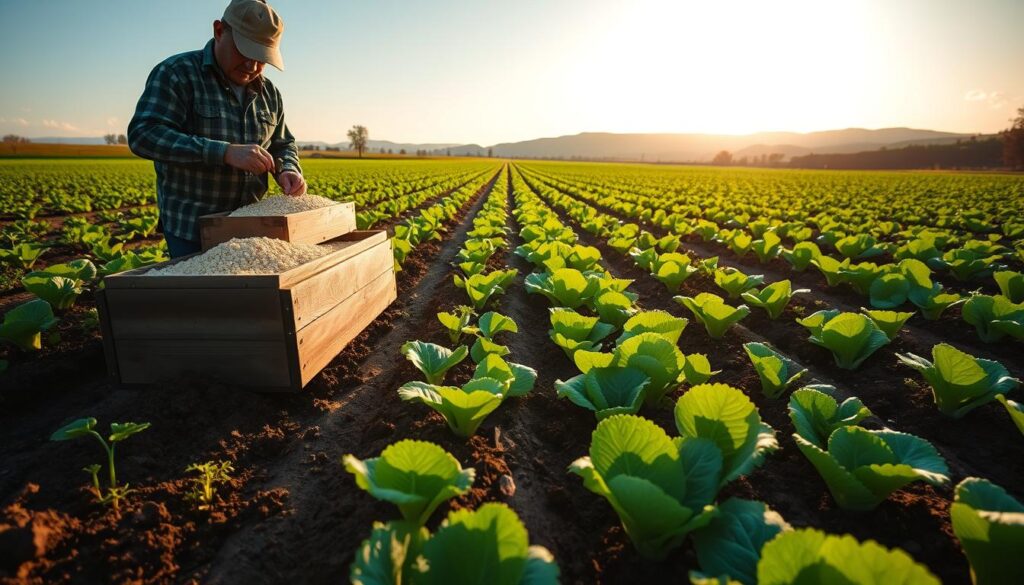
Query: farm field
[[758, 335]]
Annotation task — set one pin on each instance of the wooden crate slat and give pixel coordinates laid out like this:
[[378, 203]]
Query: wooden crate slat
[[249, 363], [318, 294], [313, 226], [246, 314], [320, 341]]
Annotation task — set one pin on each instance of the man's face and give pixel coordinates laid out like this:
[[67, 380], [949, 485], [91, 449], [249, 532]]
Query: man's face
[[236, 66]]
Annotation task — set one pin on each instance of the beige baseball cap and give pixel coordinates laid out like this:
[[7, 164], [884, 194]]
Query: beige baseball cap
[[256, 29]]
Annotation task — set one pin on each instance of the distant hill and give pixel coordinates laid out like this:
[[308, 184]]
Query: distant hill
[[703, 147], [658, 147]]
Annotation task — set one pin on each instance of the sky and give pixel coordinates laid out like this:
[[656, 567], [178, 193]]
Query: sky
[[487, 71]]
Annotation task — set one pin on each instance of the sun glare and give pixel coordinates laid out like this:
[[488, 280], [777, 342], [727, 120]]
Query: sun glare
[[725, 67]]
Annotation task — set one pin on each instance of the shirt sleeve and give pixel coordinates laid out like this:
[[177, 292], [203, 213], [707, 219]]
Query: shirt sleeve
[[155, 131], [282, 143]]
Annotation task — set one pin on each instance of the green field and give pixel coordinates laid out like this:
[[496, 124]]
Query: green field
[[657, 371]]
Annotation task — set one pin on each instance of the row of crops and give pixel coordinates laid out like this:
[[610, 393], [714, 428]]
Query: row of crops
[[111, 227], [754, 371], [665, 487]]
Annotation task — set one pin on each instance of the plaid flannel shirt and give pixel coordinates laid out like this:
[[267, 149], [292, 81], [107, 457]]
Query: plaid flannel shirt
[[185, 120]]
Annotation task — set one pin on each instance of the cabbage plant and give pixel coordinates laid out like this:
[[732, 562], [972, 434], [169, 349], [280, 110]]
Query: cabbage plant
[[777, 372], [768, 247], [487, 327], [830, 268], [960, 382], [672, 269], [606, 391], [23, 255], [989, 523], [486, 545], [816, 413], [516, 379], [1011, 285], [662, 489], [60, 284], [730, 545], [566, 287], [23, 325], [800, 256], [862, 467], [613, 307], [481, 288], [851, 337], [735, 282], [889, 291], [432, 359], [933, 301], [811, 557], [712, 310], [572, 331], [416, 476], [655, 356], [661, 322], [773, 298], [890, 322], [859, 246], [725, 417], [455, 321], [465, 408], [994, 317]]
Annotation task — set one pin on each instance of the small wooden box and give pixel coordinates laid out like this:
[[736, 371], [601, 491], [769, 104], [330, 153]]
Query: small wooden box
[[304, 227], [274, 332]]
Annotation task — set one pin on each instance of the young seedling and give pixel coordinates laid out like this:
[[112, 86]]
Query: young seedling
[[118, 432], [210, 474]]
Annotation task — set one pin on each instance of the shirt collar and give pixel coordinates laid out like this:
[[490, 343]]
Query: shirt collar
[[210, 61]]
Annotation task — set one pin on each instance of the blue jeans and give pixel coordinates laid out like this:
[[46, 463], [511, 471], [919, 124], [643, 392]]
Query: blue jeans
[[177, 247]]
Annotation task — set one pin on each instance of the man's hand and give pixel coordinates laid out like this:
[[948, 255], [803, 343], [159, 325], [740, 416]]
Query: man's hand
[[292, 183], [249, 157]]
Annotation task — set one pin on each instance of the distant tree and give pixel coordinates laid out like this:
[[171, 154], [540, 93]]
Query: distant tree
[[357, 138], [14, 140], [110, 138], [122, 139], [449, 152], [722, 158], [775, 158], [401, 151], [490, 153], [391, 151], [1013, 142]]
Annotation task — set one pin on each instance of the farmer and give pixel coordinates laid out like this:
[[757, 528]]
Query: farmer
[[214, 126]]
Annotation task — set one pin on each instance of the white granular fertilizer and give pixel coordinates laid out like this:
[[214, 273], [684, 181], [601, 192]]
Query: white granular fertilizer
[[282, 205], [246, 256]]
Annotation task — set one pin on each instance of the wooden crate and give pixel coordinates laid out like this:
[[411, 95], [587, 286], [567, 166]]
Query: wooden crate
[[274, 332], [304, 227]]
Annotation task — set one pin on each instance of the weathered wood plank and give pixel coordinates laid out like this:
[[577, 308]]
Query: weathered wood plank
[[305, 227], [319, 293], [245, 314], [247, 363], [357, 242], [320, 341]]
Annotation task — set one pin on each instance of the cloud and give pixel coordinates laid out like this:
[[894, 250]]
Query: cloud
[[995, 100], [20, 122], [58, 125], [976, 95]]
